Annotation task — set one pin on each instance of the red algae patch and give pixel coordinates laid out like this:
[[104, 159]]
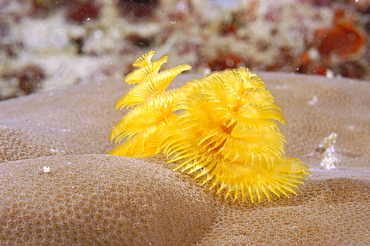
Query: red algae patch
[[344, 40]]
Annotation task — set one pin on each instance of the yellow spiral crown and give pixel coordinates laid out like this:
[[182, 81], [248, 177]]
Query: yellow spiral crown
[[223, 128]]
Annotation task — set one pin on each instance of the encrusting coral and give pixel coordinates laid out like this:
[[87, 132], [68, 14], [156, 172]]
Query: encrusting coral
[[222, 128]]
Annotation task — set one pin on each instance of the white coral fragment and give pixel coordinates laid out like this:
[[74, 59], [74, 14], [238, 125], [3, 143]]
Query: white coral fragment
[[330, 155], [313, 101], [46, 169]]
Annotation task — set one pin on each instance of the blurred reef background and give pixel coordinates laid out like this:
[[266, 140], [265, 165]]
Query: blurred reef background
[[48, 44]]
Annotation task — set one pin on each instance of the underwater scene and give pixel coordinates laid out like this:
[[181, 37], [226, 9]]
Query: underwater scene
[[184, 122]]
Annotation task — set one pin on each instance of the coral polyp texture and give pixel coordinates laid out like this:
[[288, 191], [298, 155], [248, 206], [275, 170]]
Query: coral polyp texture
[[222, 129]]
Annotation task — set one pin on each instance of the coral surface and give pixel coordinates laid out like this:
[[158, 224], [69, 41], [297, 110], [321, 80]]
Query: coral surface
[[58, 187]]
